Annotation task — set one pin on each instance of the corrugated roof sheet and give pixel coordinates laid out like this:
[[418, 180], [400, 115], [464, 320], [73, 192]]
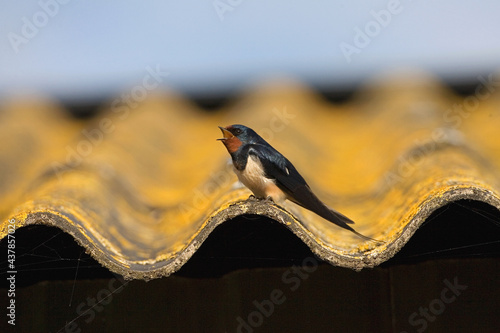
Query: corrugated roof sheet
[[141, 186]]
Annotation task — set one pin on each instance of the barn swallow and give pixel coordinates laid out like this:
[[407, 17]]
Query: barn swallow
[[270, 175]]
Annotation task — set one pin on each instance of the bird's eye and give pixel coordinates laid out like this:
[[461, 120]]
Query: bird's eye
[[236, 131]]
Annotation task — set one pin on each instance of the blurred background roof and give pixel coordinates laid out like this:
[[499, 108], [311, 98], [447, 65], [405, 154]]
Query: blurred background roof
[[90, 50], [384, 166]]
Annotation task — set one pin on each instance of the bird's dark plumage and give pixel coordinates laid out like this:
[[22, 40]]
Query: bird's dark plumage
[[250, 151]]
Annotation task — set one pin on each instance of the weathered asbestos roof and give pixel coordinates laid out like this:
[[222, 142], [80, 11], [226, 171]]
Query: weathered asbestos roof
[[141, 187]]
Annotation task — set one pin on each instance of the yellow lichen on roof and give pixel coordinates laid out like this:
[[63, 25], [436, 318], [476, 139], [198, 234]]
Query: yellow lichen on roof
[[141, 188]]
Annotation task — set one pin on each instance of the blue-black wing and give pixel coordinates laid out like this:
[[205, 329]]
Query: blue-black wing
[[288, 179]]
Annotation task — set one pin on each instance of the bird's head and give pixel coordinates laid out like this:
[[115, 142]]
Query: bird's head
[[237, 135]]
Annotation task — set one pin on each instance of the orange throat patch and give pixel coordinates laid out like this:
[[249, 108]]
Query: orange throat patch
[[232, 144]]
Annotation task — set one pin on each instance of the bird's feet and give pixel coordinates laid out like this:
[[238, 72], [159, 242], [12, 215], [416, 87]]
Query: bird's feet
[[270, 199]]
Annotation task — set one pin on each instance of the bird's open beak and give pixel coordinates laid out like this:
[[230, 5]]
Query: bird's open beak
[[226, 133]]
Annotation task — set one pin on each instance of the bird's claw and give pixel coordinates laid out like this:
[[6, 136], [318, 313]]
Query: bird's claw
[[270, 199]]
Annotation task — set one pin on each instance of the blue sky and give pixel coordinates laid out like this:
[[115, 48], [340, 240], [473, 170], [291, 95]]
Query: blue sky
[[97, 48]]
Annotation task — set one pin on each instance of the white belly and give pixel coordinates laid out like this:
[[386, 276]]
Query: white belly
[[253, 178]]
